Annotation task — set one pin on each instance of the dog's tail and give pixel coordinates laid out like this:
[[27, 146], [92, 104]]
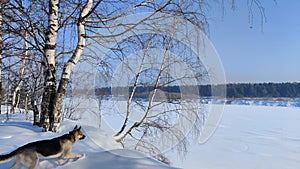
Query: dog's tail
[[7, 157]]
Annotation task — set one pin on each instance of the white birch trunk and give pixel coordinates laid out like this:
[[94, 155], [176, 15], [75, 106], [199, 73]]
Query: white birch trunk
[[137, 124], [129, 101], [1, 44], [47, 116], [16, 93], [71, 63]]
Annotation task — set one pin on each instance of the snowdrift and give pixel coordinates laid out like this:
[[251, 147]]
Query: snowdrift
[[106, 153]]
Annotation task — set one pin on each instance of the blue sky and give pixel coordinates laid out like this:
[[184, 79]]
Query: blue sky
[[256, 55]]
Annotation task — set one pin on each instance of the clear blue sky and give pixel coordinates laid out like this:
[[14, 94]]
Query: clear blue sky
[[252, 55]]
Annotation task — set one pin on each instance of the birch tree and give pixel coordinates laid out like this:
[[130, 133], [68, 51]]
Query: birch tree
[[65, 77], [88, 17], [16, 92], [150, 122], [49, 94], [62, 16], [42, 37], [1, 44], [54, 24], [153, 113]]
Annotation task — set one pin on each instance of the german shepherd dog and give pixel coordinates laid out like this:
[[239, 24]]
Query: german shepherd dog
[[59, 147]]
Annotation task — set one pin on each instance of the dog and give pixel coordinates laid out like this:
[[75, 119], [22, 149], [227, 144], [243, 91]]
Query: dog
[[59, 147]]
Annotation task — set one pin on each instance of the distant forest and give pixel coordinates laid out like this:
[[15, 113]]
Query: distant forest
[[238, 90], [264, 90]]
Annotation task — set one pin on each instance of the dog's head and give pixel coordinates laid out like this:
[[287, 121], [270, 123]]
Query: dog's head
[[78, 135]]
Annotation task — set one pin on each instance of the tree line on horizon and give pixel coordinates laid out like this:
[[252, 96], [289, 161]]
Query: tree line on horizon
[[233, 90], [291, 90]]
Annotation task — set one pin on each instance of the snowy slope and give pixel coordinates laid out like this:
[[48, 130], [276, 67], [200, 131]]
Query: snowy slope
[[106, 154]]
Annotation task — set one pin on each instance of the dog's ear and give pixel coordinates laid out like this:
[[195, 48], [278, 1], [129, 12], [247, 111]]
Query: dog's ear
[[75, 127], [79, 128]]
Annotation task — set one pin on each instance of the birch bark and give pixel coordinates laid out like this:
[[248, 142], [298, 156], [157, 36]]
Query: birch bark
[[1, 44], [65, 77], [16, 93], [47, 116]]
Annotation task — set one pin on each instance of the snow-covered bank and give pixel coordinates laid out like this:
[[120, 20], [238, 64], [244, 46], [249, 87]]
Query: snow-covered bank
[[277, 102], [106, 153]]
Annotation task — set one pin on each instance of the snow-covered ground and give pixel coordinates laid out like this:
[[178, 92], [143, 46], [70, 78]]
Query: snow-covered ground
[[248, 137], [106, 154]]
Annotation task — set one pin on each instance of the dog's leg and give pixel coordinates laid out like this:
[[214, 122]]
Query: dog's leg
[[17, 164], [34, 161], [33, 164], [60, 160], [73, 156], [68, 154], [31, 159]]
